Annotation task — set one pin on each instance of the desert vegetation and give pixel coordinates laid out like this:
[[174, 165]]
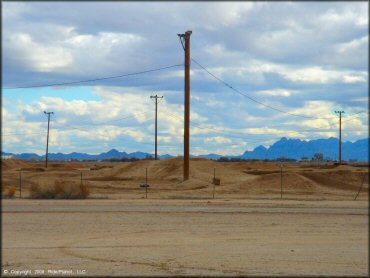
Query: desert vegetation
[[59, 190], [237, 179], [11, 192]]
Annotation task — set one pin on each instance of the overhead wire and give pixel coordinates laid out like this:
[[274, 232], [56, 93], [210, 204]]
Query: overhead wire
[[79, 128], [91, 80], [104, 123], [255, 100], [197, 125]]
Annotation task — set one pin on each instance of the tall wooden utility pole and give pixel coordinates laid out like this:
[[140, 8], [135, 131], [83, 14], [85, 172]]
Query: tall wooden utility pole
[[185, 41], [156, 113], [47, 139], [340, 135]]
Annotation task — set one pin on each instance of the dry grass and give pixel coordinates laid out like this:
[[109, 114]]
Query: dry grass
[[59, 190], [33, 169], [11, 192]]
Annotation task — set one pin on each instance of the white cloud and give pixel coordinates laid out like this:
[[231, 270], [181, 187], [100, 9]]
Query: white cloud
[[43, 58], [324, 110], [137, 134], [302, 74], [353, 44], [73, 53], [361, 99], [354, 79], [319, 75], [217, 139], [353, 15], [319, 123], [275, 92], [165, 139], [305, 58]]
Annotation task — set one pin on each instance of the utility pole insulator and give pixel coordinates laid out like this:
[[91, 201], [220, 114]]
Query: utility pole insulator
[[156, 97]]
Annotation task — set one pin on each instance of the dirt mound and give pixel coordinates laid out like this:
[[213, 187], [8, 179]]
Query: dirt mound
[[341, 179], [263, 165], [261, 172], [165, 177], [75, 165], [293, 183], [99, 167], [253, 165], [33, 169], [13, 163], [169, 171], [65, 166]]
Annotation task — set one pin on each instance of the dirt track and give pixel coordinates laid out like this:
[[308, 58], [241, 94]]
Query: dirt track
[[238, 180], [316, 229], [187, 237]]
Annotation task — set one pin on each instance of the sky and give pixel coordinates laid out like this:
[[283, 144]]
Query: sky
[[290, 65]]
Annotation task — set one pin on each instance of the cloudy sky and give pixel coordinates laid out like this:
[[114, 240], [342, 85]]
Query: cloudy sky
[[291, 65]]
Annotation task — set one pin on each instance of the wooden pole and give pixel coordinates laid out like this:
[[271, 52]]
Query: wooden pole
[[214, 182], [187, 106], [47, 144], [156, 97], [340, 138], [281, 182], [340, 135], [47, 139], [20, 184], [363, 179]]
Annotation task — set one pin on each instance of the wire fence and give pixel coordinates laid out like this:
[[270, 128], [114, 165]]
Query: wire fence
[[283, 181]]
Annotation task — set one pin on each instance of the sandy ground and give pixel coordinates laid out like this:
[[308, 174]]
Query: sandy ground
[[317, 228], [186, 237], [238, 180]]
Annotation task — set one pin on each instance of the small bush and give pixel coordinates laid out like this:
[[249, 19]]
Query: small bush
[[11, 192], [60, 190], [84, 191]]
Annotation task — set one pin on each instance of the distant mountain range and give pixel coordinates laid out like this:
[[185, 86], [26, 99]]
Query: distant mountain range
[[299, 149], [113, 153], [288, 148]]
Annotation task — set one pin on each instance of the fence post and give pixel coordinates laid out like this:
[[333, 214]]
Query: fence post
[[214, 183], [20, 184], [81, 178], [281, 181], [146, 183], [363, 179]]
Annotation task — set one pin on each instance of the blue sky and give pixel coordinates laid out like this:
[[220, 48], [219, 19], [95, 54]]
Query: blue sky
[[305, 58]]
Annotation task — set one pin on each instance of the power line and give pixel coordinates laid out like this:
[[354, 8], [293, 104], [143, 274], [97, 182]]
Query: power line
[[91, 80], [234, 144], [255, 100], [103, 123], [198, 125], [79, 128], [353, 116], [10, 134]]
